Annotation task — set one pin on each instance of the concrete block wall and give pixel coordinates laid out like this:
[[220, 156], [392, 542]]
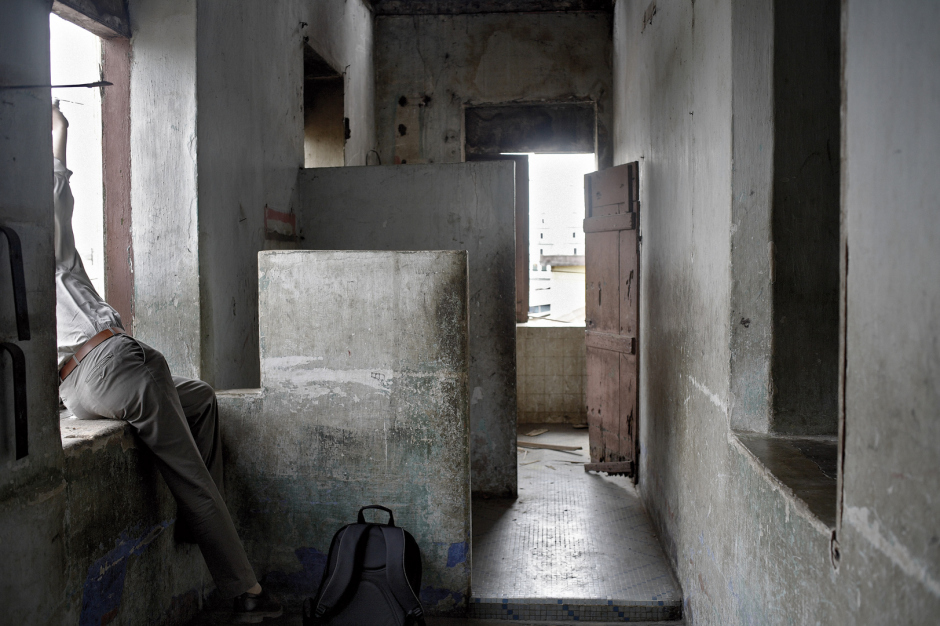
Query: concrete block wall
[[550, 374], [365, 400], [744, 548], [217, 135], [250, 146], [462, 206], [32, 498], [124, 564]]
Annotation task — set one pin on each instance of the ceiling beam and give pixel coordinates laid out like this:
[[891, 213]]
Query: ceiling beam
[[459, 7]]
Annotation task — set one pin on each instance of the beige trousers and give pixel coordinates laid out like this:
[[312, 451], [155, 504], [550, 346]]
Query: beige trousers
[[178, 420]]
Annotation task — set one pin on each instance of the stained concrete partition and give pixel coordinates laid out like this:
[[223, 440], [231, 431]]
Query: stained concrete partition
[[465, 206], [364, 365]]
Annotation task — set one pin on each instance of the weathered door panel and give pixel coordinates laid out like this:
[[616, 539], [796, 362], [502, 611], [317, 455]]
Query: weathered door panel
[[606, 195], [603, 397], [629, 281], [612, 316], [602, 275], [626, 448]]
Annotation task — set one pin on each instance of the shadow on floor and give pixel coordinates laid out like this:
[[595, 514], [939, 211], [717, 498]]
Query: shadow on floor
[[572, 546]]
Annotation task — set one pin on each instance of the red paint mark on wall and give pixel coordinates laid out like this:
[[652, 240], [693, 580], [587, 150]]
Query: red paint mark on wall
[[279, 226]]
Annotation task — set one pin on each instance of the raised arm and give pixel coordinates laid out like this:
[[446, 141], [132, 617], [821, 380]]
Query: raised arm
[[65, 252], [60, 132]]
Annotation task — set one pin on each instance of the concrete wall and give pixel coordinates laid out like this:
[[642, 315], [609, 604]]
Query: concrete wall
[[32, 498], [420, 207], [440, 63], [216, 135], [744, 548], [164, 175], [550, 372], [365, 400], [751, 315], [251, 139], [124, 563]]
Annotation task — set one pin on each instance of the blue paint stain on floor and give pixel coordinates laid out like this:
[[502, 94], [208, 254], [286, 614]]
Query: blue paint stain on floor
[[104, 584], [457, 554]]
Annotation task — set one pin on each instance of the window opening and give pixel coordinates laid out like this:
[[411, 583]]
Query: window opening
[[556, 207], [75, 57], [325, 127]]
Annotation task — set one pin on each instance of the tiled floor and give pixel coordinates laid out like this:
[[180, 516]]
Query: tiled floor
[[573, 547]]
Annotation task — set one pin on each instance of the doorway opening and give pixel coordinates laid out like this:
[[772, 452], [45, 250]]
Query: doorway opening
[[325, 127], [574, 544], [556, 236], [550, 364]]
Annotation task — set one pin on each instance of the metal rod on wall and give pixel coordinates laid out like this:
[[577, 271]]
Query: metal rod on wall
[[19, 283], [20, 424], [100, 83]]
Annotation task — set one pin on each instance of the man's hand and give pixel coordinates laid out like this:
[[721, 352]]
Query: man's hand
[[60, 132]]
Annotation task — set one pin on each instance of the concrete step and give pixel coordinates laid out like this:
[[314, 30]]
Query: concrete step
[[224, 618], [445, 621], [581, 610]]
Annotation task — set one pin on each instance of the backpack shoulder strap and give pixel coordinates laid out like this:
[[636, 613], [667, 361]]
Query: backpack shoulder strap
[[395, 571], [346, 562]]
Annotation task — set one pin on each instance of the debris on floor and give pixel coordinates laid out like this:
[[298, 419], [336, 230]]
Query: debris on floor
[[536, 432], [546, 446]]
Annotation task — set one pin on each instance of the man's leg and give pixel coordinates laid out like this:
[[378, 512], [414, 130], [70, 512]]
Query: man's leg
[[202, 413], [126, 379]]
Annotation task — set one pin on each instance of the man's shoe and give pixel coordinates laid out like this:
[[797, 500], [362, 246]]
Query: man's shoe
[[253, 608]]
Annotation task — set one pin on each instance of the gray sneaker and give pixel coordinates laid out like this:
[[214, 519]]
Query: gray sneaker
[[254, 608]]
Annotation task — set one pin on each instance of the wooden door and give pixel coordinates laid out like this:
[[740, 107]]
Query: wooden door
[[612, 217]]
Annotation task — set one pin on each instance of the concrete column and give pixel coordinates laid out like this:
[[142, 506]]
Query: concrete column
[[32, 492], [364, 367], [164, 180]]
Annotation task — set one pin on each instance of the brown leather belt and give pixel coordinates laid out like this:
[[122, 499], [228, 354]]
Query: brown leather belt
[[86, 348]]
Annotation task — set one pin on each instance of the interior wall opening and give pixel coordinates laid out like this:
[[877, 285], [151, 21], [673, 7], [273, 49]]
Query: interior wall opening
[[556, 236], [325, 127], [801, 445]]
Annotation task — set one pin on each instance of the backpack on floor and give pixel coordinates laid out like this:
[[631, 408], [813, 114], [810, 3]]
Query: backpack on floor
[[372, 578]]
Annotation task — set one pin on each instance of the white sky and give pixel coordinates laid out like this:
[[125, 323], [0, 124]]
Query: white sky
[[556, 195], [75, 58], [556, 186]]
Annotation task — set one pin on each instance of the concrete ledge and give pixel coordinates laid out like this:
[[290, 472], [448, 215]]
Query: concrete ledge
[[123, 565], [80, 434], [798, 504]]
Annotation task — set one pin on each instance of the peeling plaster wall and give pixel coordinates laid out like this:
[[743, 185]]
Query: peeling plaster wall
[[216, 135], [164, 180], [365, 400], [440, 63], [251, 131], [467, 206], [744, 549], [124, 564], [32, 498]]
